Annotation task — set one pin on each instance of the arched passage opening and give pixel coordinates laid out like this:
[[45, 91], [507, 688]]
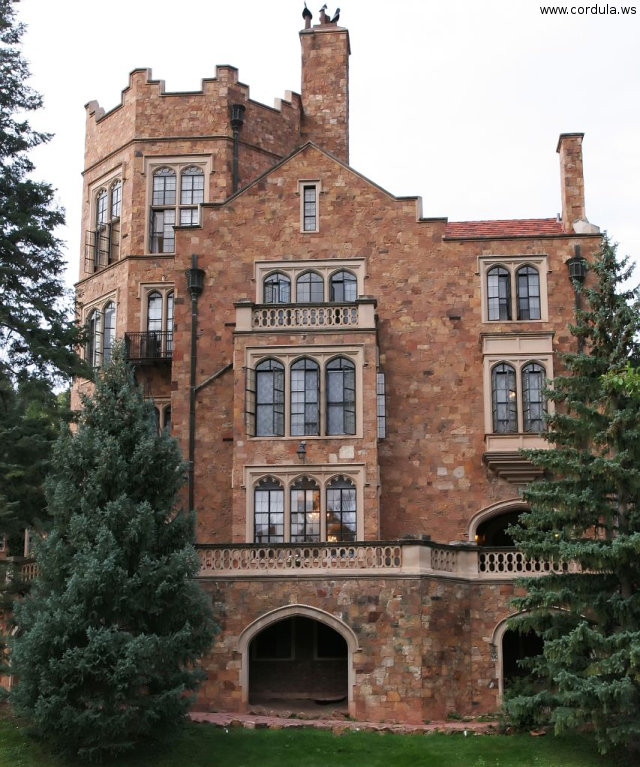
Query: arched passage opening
[[494, 531], [298, 659], [516, 647], [510, 647]]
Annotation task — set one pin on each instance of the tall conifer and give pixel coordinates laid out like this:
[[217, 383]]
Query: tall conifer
[[110, 634], [585, 517]]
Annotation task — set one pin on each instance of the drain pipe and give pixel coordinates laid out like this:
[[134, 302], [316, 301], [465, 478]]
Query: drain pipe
[[237, 121], [577, 266], [195, 284]]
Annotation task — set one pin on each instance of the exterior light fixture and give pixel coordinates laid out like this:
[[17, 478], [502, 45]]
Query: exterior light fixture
[[301, 452], [195, 278], [577, 267]]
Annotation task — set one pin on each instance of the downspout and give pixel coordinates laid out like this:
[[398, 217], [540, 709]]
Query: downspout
[[195, 283], [237, 120]]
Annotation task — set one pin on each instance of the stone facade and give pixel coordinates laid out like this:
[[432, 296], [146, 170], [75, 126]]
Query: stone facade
[[383, 461]]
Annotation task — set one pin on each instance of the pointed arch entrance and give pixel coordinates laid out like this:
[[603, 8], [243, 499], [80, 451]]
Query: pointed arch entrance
[[509, 647], [298, 653]]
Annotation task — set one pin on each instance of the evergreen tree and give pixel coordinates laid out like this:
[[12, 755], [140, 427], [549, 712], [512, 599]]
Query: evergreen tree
[[585, 517], [109, 635], [36, 334]]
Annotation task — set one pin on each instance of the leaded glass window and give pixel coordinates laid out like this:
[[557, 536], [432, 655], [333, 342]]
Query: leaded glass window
[[305, 398], [269, 399], [341, 510], [305, 511], [341, 396], [504, 399], [499, 293]]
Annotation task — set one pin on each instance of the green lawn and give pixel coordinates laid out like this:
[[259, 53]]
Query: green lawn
[[202, 745]]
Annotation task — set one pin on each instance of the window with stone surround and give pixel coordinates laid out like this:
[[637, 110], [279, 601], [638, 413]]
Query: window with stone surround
[[299, 282], [100, 323], [102, 240], [514, 288], [287, 506], [177, 188], [309, 215], [516, 370], [294, 395]]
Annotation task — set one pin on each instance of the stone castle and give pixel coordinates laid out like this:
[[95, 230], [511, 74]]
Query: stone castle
[[350, 381]]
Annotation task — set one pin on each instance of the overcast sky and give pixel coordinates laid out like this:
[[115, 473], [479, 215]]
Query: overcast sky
[[458, 101]]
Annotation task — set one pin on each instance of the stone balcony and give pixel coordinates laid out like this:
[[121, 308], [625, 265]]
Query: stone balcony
[[380, 558], [359, 315], [398, 558]]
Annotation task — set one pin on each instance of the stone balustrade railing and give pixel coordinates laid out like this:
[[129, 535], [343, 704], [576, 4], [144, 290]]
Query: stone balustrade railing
[[280, 317], [467, 562], [398, 557], [359, 315]]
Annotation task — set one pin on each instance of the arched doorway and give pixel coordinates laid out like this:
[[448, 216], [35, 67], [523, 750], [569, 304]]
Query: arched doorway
[[516, 647], [315, 660], [510, 647], [494, 531], [298, 659]]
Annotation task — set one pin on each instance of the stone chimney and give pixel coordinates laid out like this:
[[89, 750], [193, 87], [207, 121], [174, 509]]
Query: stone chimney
[[325, 88], [574, 218]]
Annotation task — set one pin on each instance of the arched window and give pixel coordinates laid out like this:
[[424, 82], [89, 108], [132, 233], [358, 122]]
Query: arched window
[[268, 518], [504, 399], [499, 293], [167, 418], [109, 333], [154, 312], [269, 399], [169, 324], [191, 195], [528, 293], [341, 396], [163, 213], [341, 510], [305, 511], [101, 208], [94, 339], [116, 199], [305, 397], [277, 289], [309, 288], [343, 286], [533, 406]]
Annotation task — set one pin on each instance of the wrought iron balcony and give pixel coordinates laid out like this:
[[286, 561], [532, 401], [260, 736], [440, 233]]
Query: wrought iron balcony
[[152, 346], [101, 247]]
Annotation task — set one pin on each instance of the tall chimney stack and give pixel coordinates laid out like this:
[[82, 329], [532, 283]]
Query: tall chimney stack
[[574, 218], [325, 88]]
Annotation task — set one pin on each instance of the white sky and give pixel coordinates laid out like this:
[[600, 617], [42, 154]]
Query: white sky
[[458, 101]]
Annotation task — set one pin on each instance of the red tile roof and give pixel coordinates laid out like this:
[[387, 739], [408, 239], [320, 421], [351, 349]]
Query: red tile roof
[[521, 227]]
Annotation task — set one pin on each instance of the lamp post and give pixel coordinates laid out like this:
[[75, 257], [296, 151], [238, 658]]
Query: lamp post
[[195, 285]]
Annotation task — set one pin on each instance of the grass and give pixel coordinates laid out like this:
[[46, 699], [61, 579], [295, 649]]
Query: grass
[[202, 745]]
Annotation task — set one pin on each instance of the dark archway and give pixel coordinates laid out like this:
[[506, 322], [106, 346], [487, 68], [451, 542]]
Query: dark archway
[[493, 531], [515, 647], [298, 661]]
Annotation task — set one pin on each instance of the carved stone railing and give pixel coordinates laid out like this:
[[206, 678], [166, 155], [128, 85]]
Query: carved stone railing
[[512, 562], [278, 558], [320, 316], [405, 557], [278, 317]]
